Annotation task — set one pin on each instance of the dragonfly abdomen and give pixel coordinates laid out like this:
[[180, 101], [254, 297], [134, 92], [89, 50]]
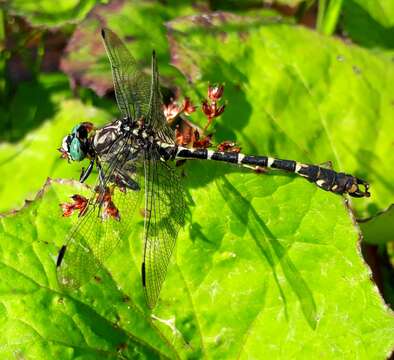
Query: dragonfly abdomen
[[326, 179]]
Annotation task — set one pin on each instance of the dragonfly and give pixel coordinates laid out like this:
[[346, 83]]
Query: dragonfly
[[135, 156]]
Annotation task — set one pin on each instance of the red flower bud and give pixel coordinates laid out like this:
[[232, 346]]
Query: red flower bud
[[203, 143], [67, 209], [219, 110], [171, 111], [208, 109], [79, 203], [211, 110], [188, 107], [215, 92], [228, 146], [110, 210], [108, 207]]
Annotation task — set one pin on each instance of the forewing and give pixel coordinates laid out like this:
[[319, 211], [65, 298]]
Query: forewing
[[164, 215], [93, 237], [132, 87], [155, 117]]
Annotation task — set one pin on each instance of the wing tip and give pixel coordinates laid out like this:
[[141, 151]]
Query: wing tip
[[103, 32], [60, 256], [151, 304], [143, 274]]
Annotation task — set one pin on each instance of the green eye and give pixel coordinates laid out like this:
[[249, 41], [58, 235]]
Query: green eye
[[76, 152]]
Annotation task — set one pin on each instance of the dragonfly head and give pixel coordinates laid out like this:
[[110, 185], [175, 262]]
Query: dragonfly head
[[76, 145]]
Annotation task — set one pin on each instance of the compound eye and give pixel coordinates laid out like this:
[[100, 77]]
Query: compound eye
[[76, 151]]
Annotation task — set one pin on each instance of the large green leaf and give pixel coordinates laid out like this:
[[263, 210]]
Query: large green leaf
[[293, 93], [381, 11], [38, 321], [25, 165], [50, 13], [31, 104], [370, 23], [379, 229], [266, 267]]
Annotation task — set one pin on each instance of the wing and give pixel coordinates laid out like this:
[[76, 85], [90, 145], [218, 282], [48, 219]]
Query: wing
[[155, 117], [164, 215], [136, 94], [132, 87], [94, 236]]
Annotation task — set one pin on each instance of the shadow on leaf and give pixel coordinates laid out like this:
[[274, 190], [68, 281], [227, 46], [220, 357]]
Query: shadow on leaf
[[270, 248]]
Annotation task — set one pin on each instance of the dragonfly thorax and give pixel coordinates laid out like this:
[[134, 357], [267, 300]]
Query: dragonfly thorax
[[121, 136], [105, 137]]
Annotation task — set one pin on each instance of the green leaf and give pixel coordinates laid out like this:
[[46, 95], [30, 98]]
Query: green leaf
[[252, 5], [381, 11], [29, 162], [32, 103], [295, 94], [387, 271], [380, 228], [328, 15], [267, 266], [51, 13], [38, 320], [370, 23]]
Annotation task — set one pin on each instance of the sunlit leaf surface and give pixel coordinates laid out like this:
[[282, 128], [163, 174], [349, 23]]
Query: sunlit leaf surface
[[50, 13], [265, 266], [293, 93], [268, 265]]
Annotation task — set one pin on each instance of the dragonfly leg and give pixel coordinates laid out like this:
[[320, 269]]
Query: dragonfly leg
[[122, 180], [257, 169], [85, 173], [101, 174]]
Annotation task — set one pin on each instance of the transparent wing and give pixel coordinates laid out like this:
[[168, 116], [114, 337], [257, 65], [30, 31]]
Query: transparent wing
[[132, 87], [155, 117], [136, 94], [94, 237], [164, 215]]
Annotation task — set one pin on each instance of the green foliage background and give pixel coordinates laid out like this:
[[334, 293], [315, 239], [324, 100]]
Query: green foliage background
[[267, 266]]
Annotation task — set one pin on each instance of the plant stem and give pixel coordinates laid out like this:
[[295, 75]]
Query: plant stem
[[328, 15]]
